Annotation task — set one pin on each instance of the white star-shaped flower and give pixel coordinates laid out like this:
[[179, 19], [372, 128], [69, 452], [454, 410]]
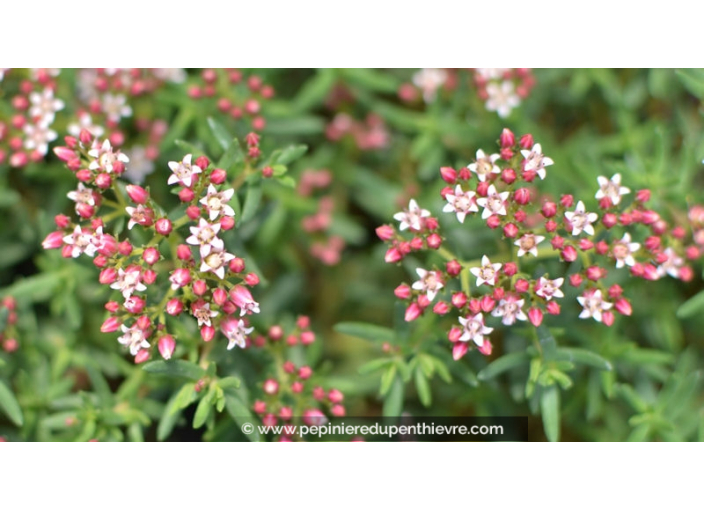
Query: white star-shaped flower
[[215, 262], [473, 329], [205, 236], [82, 241], [38, 136], [104, 157], [528, 243], [215, 202], [493, 203], [486, 273], [44, 106], [623, 251], [485, 165], [236, 332], [581, 220], [510, 309], [460, 202], [672, 265], [134, 338], [611, 188], [593, 304], [549, 289], [128, 281], [536, 161], [183, 171], [430, 282], [502, 98], [429, 80], [411, 217]]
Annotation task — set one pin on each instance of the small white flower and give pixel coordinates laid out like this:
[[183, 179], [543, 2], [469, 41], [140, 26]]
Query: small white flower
[[493, 203], [491, 73], [593, 304], [549, 289], [486, 273], [203, 313], [44, 106], [672, 265], [461, 202], [430, 282], [215, 202], [128, 281], [529, 244], [82, 241], [429, 80], [3, 70], [140, 215], [236, 332], [611, 188], [510, 309], [536, 161], [485, 165], [412, 217], [502, 98], [38, 137], [183, 171], [205, 236], [581, 220], [85, 121], [115, 107], [623, 251], [140, 165], [104, 157], [82, 195], [134, 338], [215, 262], [474, 329], [170, 74]]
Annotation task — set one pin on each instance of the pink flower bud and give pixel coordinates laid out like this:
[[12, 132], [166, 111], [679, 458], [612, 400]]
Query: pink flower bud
[[307, 337], [623, 307], [585, 244], [464, 174], [650, 272], [459, 299], [237, 265], [686, 273], [259, 407], [202, 162], [137, 193], [510, 269], [251, 279], [207, 333], [475, 306], [385, 232], [447, 173], [535, 315], [487, 303], [575, 279], [412, 312], [200, 287], [447, 190], [337, 410], [486, 348], [85, 137], [595, 273], [393, 255], [305, 372], [431, 223], [507, 139], [151, 256], [567, 200], [643, 195], [434, 241], [112, 306], [227, 222], [649, 217], [193, 212], [218, 176], [142, 356], [107, 276], [569, 254], [403, 291], [174, 307], [335, 396], [441, 308], [652, 243], [454, 334], [163, 226], [506, 154], [522, 196], [64, 153], [110, 325], [183, 252], [186, 195], [605, 203], [303, 322], [493, 221], [508, 175], [85, 210], [416, 244], [483, 188], [53, 240], [269, 420], [522, 285], [275, 333], [166, 346], [459, 350], [289, 367], [526, 142], [553, 308], [498, 293], [510, 230], [149, 276], [297, 387], [549, 209], [557, 242], [608, 317], [453, 268], [125, 248]]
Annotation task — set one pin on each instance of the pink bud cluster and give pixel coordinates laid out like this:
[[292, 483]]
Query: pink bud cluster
[[502, 188], [25, 132], [325, 248], [195, 276], [292, 396], [8, 336], [236, 95], [370, 134]]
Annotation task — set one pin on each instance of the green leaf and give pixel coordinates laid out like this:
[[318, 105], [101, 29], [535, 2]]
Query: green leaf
[[221, 135], [393, 403], [315, 90], [175, 368], [583, 357], [503, 364], [693, 80], [171, 415], [203, 409], [547, 342], [387, 379], [4, 314], [302, 125], [229, 382], [365, 331], [692, 306], [291, 154], [9, 404], [375, 364], [372, 79], [550, 411], [189, 148], [423, 387], [36, 288], [232, 156], [239, 412], [251, 203]]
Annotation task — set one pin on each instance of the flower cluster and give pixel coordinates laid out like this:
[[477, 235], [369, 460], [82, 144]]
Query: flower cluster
[[204, 279], [292, 395], [370, 134], [25, 135], [329, 248], [8, 335], [502, 89], [502, 188], [236, 95]]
